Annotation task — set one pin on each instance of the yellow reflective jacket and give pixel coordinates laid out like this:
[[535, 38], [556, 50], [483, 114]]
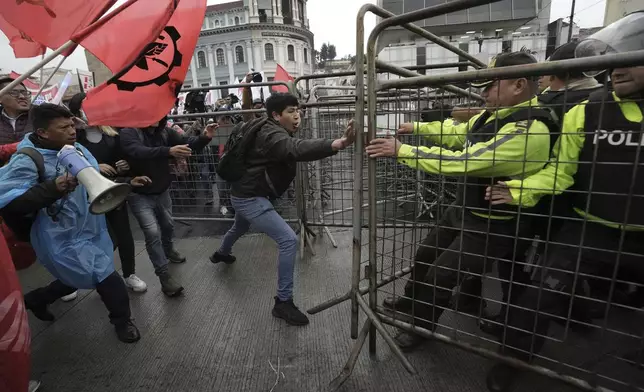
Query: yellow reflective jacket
[[558, 175]]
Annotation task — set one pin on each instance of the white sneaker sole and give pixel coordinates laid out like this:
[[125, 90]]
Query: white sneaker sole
[[137, 289], [70, 297]]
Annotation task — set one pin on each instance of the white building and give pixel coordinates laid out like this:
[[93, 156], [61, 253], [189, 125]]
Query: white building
[[250, 35]]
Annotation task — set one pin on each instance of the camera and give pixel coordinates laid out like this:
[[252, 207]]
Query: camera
[[257, 77]]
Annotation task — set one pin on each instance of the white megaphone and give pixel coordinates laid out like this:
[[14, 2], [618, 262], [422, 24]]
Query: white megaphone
[[104, 195]]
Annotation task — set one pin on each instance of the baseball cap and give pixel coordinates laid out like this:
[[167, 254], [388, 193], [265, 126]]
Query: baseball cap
[[506, 60]]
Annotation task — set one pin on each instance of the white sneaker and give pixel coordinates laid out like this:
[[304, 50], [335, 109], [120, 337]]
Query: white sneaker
[[136, 284], [69, 297], [34, 385]]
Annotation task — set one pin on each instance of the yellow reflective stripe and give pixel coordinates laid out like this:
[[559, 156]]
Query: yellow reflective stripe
[[610, 224]]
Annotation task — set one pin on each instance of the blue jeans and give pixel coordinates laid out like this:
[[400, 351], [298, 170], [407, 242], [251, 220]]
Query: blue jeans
[[154, 214], [259, 212]]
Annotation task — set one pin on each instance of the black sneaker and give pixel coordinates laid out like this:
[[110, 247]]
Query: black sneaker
[[289, 312], [127, 332], [219, 258], [400, 304], [41, 312], [169, 286], [501, 377], [174, 257]]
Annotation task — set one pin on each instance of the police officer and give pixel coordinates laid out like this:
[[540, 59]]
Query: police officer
[[510, 139], [599, 162], [565, 90]]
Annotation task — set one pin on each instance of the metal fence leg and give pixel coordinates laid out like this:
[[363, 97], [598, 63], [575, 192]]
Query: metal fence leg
[[353, 358]]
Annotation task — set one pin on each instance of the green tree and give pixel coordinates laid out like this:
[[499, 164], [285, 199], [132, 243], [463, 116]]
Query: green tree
[[331, 52], [324, 53]]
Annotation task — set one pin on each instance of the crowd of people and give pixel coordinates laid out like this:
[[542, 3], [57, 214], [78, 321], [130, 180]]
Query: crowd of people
[[572, 148]]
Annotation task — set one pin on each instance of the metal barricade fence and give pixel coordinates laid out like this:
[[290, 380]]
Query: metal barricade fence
[[197, 192], [458, 280]]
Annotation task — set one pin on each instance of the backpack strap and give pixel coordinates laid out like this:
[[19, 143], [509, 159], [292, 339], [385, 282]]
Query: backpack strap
[[38, 160]]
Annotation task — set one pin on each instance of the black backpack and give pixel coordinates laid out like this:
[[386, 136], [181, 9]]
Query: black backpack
[[232, 164], [21, 226]]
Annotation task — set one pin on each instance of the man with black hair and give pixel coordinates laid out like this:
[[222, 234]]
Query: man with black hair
[[148, 151], [14, 110], [71, 243], [270, 168]]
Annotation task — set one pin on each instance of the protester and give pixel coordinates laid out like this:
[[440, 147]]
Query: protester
[[509, 139], [104, 144], [148, 151], [70, 242], [14, 109], [597, 161], [270, 168]]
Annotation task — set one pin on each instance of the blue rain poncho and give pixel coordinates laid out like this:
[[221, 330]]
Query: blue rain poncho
[[76, 248]]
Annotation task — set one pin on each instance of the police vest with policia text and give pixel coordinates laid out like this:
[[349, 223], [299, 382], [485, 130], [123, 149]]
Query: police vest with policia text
[[614, 177]]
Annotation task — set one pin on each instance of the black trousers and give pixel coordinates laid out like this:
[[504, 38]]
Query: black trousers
[[112, 291], [461, 245], [559, 286], [118, 224]]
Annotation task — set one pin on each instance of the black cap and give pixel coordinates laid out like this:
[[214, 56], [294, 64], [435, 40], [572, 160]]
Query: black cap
[[564, 52], [75, 103], [506, 60]]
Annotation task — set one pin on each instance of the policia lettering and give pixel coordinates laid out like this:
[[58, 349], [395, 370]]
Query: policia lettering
[[618, 137]]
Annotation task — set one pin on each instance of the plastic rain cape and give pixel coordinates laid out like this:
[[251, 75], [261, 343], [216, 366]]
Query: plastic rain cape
[[76, 248]]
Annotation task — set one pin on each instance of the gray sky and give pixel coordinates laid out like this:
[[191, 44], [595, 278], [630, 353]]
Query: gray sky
[[331, 21]]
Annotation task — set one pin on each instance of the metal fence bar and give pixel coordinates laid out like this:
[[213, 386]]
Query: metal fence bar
[[608, 61], [447, 87]]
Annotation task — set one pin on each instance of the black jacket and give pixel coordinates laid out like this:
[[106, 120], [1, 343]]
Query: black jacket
[[272, 160], [147, 150]]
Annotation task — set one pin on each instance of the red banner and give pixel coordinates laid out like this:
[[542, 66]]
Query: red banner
[[281, 75], [23, 46], [145, 90], [118, 41], [52, 22], [47, 94]]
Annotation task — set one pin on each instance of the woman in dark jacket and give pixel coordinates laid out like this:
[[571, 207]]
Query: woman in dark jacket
[[103, 142]]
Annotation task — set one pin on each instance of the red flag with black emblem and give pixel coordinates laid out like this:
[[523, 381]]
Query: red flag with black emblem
[[145, 90], [118, 42], [52, 22], [23, 46]]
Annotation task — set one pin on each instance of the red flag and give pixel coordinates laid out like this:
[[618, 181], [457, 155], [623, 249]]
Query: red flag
[[23, 46], [52, 22], [119, 41], [145, 90], [282, 76]]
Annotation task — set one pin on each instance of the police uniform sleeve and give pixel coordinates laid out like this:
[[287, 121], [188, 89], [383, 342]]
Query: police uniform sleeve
[[445, 133], [517, 148], [557, 175]]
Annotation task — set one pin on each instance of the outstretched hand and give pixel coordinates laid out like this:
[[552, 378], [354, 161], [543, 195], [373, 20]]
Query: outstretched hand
[[347, 139], [498, 194], [385, 147]]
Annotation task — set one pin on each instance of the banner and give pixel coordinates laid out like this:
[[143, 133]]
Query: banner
[[47, 95], [146, 90]]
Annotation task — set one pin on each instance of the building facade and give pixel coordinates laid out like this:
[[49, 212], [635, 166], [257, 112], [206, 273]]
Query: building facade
[[483, 32], [617, 9], [251, 35]]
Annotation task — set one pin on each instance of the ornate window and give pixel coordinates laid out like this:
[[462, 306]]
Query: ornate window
[[239, 54], [269, 52], [291, 52], [201, 59], [221, 59], [236, 20]]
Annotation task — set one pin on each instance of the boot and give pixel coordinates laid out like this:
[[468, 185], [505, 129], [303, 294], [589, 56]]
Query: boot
[[127, 332], [399, 304], [408, 341], [174, 257], [169, 286]]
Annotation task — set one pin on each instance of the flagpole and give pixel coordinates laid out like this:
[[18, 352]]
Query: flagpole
[[77, 37], [36, 67], [51, 75]]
